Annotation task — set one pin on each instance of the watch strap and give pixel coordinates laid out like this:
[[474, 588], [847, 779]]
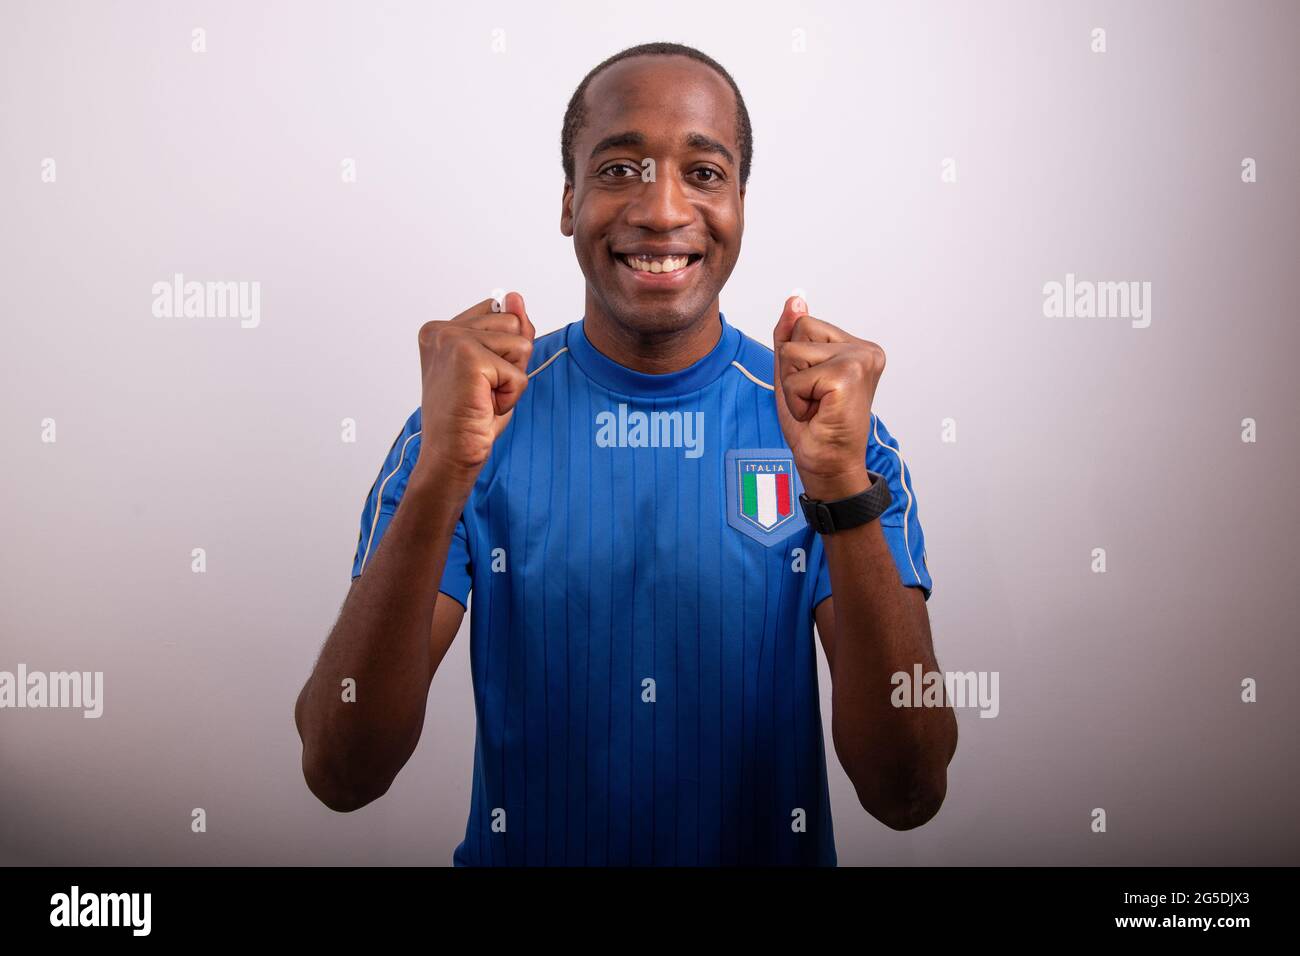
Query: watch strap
[[827, 517]]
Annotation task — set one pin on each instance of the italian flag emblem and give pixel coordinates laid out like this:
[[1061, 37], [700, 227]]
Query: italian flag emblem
[[766, 490], [763, 494]]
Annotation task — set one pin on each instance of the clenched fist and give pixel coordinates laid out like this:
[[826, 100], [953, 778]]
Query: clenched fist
[[474, 369], [825, 383]]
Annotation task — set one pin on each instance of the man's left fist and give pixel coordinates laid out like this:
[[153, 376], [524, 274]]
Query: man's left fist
[[825, 382]]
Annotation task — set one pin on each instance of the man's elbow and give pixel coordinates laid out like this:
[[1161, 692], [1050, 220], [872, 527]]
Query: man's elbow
[[333, 792], [909, 803], [917, 792], [326, 778], [910, 812]]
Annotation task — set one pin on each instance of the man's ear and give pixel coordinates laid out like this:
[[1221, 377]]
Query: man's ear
[[566, 210]]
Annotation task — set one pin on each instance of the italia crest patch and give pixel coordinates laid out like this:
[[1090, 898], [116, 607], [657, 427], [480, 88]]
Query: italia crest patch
[[763, 493]]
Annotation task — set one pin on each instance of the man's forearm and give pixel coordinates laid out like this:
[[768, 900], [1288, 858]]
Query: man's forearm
[[352, 750], [897, 757]]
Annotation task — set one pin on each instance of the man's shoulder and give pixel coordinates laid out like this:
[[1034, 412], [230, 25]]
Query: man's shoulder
[[547, 348], [755, 361]]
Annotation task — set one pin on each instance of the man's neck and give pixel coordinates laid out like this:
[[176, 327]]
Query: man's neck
[[654, 353]]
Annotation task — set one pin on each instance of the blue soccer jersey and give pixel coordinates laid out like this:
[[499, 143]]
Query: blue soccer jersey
[[641, 635]]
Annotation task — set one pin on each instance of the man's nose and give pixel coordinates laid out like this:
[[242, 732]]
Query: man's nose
[[660, 206]]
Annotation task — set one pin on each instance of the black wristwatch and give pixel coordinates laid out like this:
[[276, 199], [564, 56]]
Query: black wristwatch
[[827, 517]]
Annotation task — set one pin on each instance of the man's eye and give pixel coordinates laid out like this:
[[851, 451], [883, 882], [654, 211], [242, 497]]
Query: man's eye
[[713, 174], [628, 166]]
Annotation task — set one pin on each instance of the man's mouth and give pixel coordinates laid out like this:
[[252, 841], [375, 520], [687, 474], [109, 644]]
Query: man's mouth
[[658, 265]]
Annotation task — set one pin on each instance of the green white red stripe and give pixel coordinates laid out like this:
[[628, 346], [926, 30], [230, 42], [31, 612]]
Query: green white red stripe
[[765, 497]]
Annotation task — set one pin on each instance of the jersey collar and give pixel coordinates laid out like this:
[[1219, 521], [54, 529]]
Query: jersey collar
[[603, 370]]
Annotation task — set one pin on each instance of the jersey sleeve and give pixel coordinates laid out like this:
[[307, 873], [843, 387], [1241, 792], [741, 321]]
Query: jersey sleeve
[[381, 504], [901, 522]]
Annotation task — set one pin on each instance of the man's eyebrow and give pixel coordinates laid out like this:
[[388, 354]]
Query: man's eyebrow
[[710, 145], [691, 140], [615, 140]]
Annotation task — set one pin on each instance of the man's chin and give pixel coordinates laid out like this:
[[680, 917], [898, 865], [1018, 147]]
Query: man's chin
[[656, 317]]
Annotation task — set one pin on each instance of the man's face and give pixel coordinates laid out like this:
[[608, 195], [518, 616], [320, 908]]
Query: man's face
[[682, 115]]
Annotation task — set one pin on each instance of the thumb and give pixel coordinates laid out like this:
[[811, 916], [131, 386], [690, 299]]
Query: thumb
[[795, 306], [514, 304]]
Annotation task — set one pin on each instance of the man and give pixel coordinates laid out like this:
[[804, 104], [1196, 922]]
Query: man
[[623, 498]]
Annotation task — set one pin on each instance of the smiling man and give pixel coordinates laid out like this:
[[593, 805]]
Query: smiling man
[[651, 510]]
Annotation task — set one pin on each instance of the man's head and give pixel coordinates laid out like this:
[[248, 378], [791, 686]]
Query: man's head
[[677, 107]]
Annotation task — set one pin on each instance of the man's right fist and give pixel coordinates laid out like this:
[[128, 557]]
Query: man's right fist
[[474, 369]]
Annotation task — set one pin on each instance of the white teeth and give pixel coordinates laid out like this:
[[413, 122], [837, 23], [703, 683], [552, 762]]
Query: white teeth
[[657, 264]]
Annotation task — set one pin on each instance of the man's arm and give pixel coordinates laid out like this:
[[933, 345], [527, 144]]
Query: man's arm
[[824, 384], [391, 635], [874, 627], [394, 628]]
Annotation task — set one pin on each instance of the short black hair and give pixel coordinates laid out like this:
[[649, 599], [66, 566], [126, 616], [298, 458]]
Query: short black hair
[[576, 114]]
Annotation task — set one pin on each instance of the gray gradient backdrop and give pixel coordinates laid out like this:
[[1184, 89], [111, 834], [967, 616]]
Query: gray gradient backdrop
[[1118, 690]]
